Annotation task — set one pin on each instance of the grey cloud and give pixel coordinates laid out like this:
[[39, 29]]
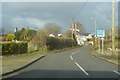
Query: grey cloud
[[16, 14]]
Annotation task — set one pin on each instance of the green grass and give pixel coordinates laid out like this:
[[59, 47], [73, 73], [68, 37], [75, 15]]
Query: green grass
[[108, 55], [114, 61], [0, 48], [108, 45], [27, 54]]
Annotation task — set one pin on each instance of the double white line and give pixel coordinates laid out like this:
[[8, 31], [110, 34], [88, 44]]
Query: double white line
[[78, 64]]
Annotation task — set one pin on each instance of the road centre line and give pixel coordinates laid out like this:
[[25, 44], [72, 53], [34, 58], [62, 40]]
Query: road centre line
[[71, 57], [81, 68], [73, 53], [78, 64], [116, 72]]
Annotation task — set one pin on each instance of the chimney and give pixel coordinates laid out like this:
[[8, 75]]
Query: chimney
[[27, 27]]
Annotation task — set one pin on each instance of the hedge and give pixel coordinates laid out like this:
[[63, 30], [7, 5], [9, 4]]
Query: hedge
[[59, 43], [10, 48]]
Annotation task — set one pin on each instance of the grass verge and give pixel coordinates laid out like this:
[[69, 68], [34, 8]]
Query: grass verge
[[107, 57]]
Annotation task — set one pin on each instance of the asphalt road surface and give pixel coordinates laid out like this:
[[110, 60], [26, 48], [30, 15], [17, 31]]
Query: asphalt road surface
[[76, 63]]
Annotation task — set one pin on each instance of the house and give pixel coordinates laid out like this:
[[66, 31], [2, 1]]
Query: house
[[55, 35], [80, 38], [59, 35], [51, 35]]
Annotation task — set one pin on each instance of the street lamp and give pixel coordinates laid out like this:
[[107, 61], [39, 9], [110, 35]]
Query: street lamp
[[95, 25]]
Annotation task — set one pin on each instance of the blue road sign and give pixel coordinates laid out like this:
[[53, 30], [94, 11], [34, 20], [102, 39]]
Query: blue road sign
[[100, 32]]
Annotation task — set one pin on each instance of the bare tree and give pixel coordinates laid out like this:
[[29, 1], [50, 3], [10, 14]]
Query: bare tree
[[52, 28], [81, 27], [39, 40]]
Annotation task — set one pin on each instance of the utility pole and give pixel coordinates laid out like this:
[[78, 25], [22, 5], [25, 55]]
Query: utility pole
[[113, 24], [95, 32], [98, 44], [95, 28], [102, 45], [73, 28]]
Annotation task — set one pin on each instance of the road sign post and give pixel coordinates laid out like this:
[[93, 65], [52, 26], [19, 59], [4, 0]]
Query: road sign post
[[101, 33], [98, 44], [102, 45]]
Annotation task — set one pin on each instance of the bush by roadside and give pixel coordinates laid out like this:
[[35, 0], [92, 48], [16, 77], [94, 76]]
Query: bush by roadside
[[51, 43], [11, 48], [59, 43], [40, 42], [44, 42]]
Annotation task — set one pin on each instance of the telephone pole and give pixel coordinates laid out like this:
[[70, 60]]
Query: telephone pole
[[113, 24], [73, 28]]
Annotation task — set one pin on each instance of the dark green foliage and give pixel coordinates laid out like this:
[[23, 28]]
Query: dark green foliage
[[88, 39], [24, 35], [59, 43], [28, 34], [42, 41], [14, 48], [51, 43], [17, 35]]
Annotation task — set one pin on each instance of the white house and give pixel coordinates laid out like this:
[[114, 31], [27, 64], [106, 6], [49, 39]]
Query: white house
[[59, 35], [55, 35], [51, 35], [80, 37]]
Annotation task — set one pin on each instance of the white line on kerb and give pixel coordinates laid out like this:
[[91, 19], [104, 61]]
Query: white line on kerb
[[116, 72], [71, 57], [81, 68]]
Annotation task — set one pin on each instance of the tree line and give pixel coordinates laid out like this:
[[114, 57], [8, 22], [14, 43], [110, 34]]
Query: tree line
[[26, 34]]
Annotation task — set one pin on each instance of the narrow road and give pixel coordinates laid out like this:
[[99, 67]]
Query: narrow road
[[76, 63]]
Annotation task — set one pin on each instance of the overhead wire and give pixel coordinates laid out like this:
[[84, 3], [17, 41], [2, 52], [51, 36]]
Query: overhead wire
[[80, 9]]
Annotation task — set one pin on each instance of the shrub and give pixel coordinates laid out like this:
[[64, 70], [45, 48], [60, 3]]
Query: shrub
[[14, 48], [88, 39], [59, 43], [10, 37], [95, 47], [42, 41]]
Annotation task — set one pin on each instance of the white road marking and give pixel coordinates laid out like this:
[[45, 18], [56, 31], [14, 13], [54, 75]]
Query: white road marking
[[71, 57], [81, 68], [73, 52], [78, 64], [116, 72]]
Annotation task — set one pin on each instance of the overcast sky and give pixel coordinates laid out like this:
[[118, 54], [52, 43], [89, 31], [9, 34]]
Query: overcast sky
[[36, 14]]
